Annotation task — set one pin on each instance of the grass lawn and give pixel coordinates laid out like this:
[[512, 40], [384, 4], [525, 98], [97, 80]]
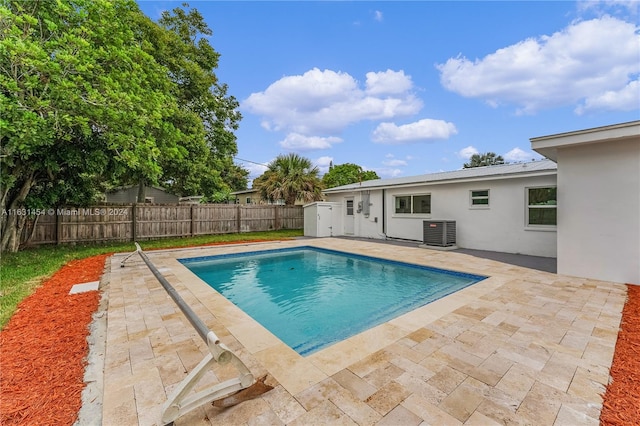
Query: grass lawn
[[21, 273]]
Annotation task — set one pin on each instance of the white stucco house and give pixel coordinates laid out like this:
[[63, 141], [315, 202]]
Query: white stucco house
[[581, 204], [490, 206], [599, 200]]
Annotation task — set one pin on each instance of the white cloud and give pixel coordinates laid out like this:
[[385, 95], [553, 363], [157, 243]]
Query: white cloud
[[326, 102], [298, 142], [517, 155], [323, 164], [421, 130], [609, 6], [254, 169], [395, 163], [377, 16], [389, 83], [626, 99], [467, 152], [583, 62], [388, 172]]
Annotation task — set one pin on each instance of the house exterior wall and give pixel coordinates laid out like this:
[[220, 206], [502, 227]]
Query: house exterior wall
[[130, 195], [500, 227], [365, 227], [122, 196], [599, 211]]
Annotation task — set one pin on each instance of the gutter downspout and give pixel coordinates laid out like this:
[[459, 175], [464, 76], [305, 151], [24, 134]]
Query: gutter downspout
[[384, 213]]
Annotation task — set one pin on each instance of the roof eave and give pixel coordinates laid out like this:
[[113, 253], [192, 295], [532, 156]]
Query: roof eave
[[513, 175], [549, 145]]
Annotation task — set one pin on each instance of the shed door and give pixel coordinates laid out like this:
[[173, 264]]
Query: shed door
[[349, 217], [324, 221]]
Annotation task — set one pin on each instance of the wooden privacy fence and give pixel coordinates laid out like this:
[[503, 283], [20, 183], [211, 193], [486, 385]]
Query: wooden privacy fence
[[139, 222]]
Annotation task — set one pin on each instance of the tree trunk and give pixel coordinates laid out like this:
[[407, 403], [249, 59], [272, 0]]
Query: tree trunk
[[32, 232], [141, 191], [12, 223]]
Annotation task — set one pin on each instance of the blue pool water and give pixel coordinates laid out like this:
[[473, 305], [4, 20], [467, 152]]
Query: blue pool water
[[311, 298]]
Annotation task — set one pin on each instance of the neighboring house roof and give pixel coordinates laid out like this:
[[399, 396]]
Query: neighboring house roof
[[473, 173], [245, 191], [126, 187]]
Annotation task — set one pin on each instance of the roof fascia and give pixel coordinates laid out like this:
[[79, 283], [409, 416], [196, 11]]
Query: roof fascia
[[451, 181], [548, 145]]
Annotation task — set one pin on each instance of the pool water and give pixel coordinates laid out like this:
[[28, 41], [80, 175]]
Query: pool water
[[311, 298]]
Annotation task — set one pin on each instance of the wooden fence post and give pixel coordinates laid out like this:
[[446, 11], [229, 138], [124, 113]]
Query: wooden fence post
[[133, 222], [58, 227], [277, 223], [192, 225], [238, 219]]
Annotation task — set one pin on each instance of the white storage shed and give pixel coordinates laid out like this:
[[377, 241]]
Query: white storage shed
[[323, 219]]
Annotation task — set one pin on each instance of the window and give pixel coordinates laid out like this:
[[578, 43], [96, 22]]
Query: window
[[349, 207], [480, 198], [248, 200], [542, 206], [416, 204]]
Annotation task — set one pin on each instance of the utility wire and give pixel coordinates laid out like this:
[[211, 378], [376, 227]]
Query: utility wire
[[253, 162]]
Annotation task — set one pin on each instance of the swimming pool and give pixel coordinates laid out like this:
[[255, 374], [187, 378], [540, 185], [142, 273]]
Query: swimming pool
[[311, 298]]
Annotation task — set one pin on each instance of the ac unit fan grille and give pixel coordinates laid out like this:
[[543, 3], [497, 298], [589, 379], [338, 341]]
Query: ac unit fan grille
[[439, 233]]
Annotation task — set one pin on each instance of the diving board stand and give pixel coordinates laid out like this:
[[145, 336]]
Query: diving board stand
[[227, 393]]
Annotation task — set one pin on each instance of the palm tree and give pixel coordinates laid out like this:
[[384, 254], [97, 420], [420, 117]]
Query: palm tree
[[290, 177], [487, 159]]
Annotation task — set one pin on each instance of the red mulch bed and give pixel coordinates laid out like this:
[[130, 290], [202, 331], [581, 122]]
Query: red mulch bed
[[44, 349], [621, 404]]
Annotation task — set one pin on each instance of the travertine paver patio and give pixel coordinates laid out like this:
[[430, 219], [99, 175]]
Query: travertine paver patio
[[521, 347]]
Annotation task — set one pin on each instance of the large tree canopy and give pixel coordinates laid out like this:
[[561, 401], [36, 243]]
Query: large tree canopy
[[487, 159], [290, 177], [344, 174], [92, 92], [178, 43]]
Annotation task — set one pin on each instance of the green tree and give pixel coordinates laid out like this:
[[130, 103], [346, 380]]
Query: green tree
[[344, 174], [290, 177], [487, 159], [93, 93], [208, 115], [80, 98]]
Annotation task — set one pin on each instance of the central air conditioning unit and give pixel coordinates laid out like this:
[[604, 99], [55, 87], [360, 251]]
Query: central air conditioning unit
[[440, 233]]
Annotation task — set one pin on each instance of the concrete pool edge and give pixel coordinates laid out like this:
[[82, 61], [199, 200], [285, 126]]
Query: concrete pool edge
[[293, 371]]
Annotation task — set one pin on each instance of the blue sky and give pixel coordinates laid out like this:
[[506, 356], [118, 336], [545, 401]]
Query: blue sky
[[407, 88]]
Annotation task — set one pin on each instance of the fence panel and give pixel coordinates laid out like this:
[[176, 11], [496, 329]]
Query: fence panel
[[162, 221], [45, 229], [104, 223], [291, 217], [257, 218], [211, 219], [93, 224]]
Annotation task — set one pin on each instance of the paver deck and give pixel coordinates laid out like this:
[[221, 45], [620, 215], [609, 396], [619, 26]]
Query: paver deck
[[523, 347]]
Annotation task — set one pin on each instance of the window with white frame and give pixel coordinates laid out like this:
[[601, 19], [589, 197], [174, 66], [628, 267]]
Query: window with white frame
[[349, 207], [479, 198], [413, 204], [542, 206]]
